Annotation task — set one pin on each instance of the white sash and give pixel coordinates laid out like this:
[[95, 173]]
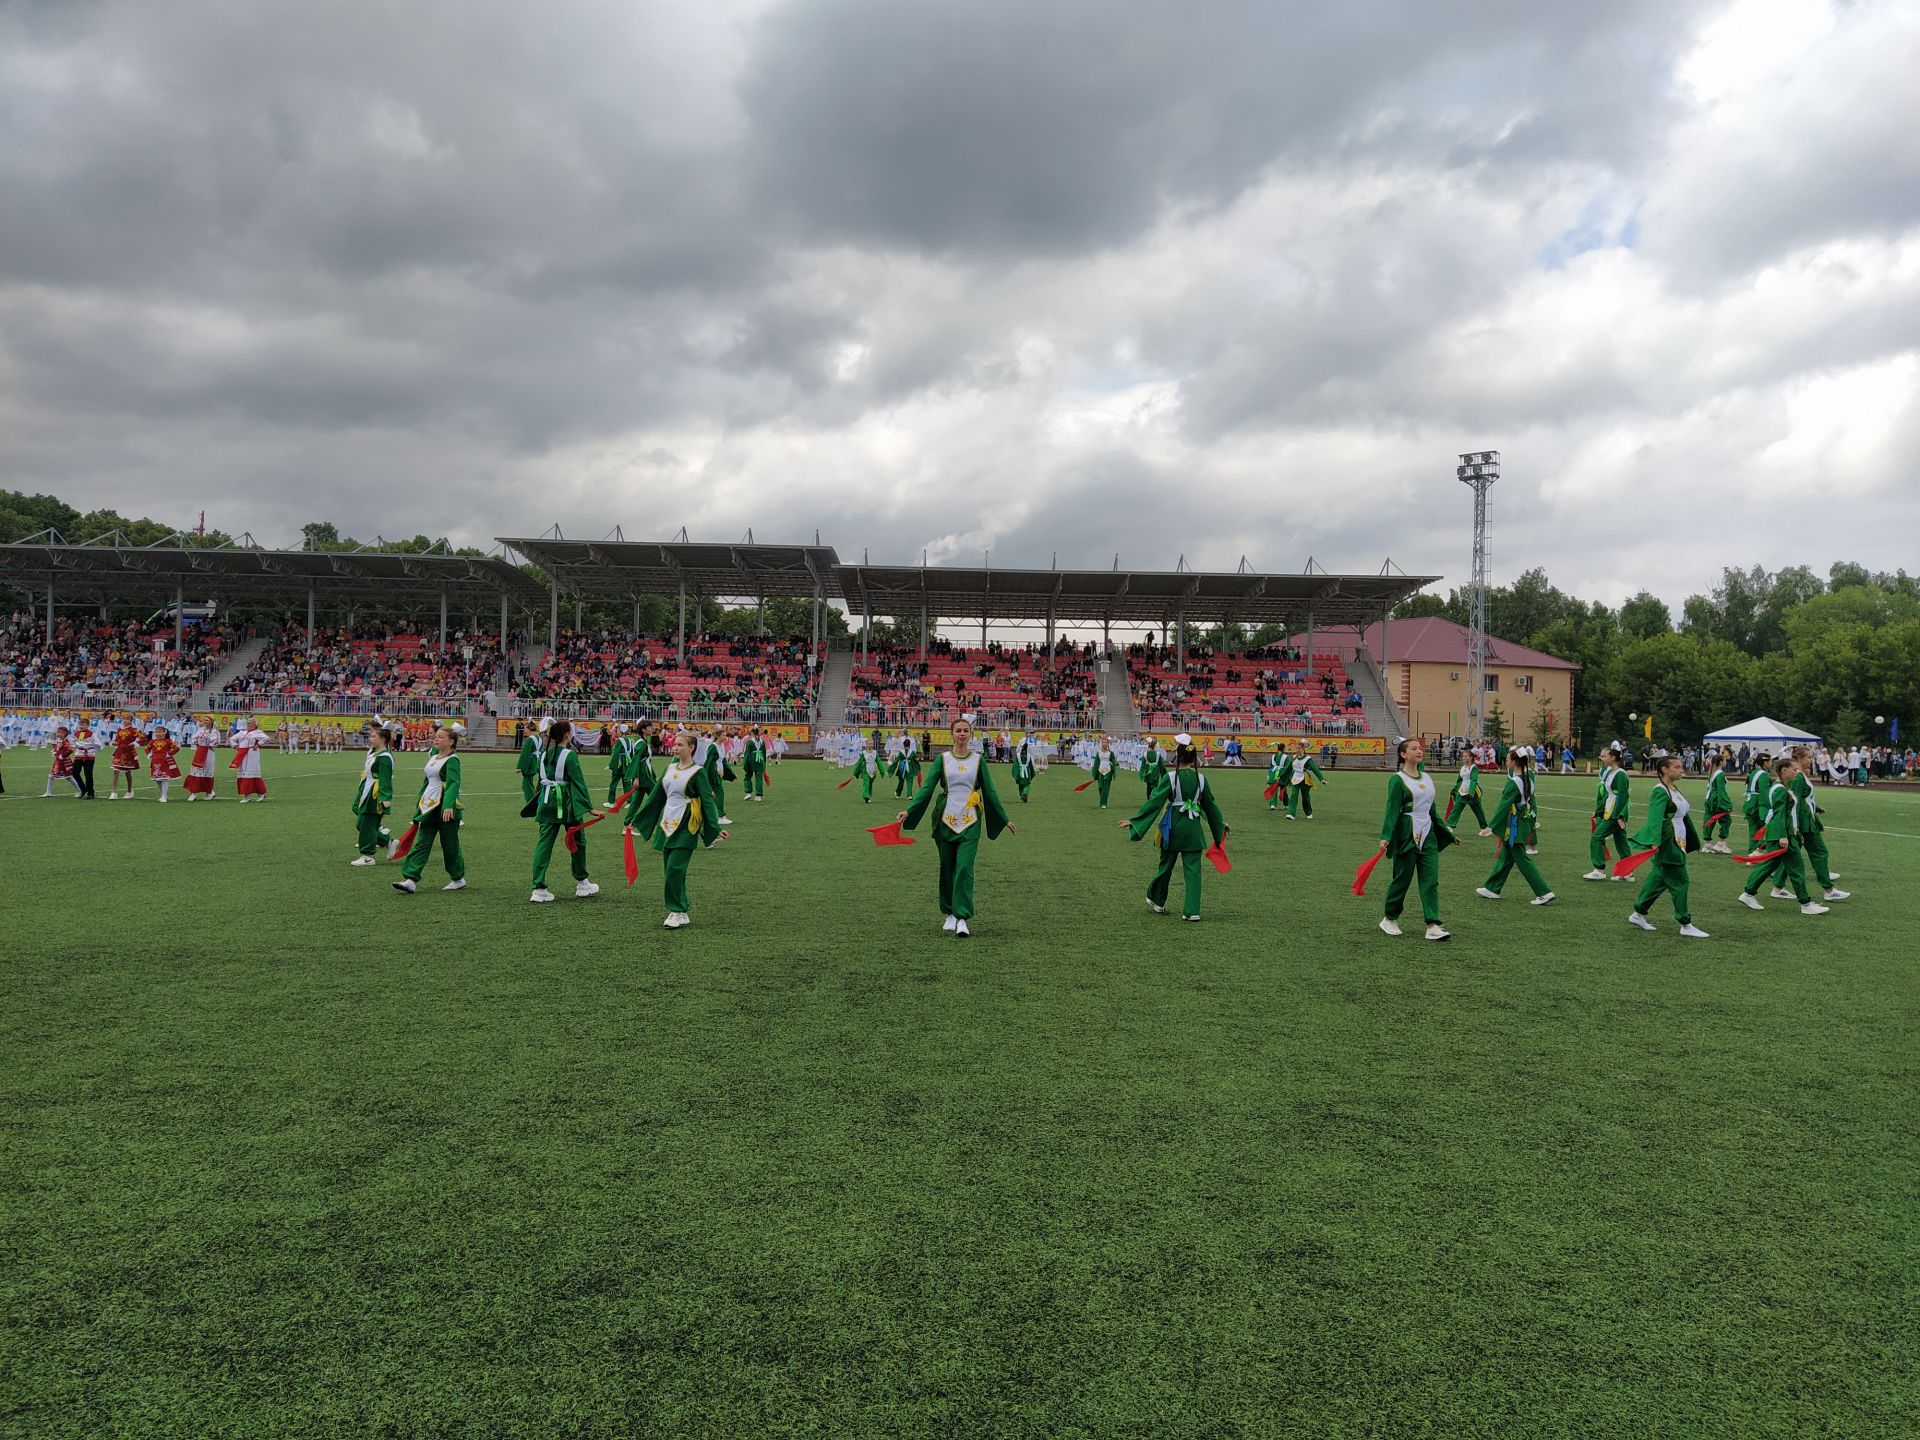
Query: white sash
[[675, 782], [430, 796], [367, 783]]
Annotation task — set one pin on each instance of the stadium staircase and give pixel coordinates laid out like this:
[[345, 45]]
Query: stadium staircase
[[243, 656], [1117, 714], [1383, 716], [836, 679]]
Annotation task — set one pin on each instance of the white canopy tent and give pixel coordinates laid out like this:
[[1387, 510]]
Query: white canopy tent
[[1762, 731]]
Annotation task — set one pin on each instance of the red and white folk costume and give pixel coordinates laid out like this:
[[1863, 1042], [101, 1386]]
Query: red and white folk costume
[[163, 764], [205, 740], [246, 759]]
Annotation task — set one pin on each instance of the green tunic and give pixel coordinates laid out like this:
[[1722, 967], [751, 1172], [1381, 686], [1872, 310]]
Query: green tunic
[[1611, 810], [1413, 859], [1105, 765], [1814, 835], [562, 801], [698, 825], [1023, 771], [433, 827], [867, 767], [1789, 818], [1512, 824], [531, 748], [1667, 871], [753, 760]]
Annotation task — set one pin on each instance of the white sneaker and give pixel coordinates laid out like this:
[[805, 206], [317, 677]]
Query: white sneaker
[[1195, 919], [1546, 899], [1533, 850], [1290, 817], [113, 795], [1833, 875], [1780, 892], [542, 896], [584, 889], [960, 929], [1750, 901], [1485, 834], [948, 924], [1635, 918], [1837, 895], [1595, 875], [678, 920], [1810, 908], [454, 885], [1389, 927], [361, 860], [406, 887], [1694, 932], [725, 820], [1437, 932], [1486, 894], [1157, 909]]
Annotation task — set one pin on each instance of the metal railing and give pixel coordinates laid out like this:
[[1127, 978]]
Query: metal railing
[[1028, 718]]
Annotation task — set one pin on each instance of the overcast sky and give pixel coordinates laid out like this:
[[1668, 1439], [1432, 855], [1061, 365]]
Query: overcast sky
[[1039, 276]]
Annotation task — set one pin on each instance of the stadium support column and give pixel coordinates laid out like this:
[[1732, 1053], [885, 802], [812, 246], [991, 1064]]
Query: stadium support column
[[443, 619], [310, 605], [49, 610], [1180, 642], [866, 635], [923, 629], [179, 616], [579, 614], [1309, 642], [503, 624], [634, 630], [760, 619], [1050, 618], [553, 612], [680, 644], [1385, 644]]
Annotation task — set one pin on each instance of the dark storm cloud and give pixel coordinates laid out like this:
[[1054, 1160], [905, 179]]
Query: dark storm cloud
[[875, 268]]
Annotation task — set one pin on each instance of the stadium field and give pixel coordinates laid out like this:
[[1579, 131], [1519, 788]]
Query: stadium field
[[288, 1153]]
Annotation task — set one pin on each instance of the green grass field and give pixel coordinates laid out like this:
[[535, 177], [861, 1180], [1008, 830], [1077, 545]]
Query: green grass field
[[289, 1154]]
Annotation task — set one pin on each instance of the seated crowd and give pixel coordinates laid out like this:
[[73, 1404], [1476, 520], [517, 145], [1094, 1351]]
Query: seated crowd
[[95, 658], [1003, 684], [1267, 688], [369, 662], [757, 677]]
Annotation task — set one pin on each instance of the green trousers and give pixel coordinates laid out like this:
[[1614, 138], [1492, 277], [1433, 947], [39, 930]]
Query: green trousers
[[1466, 803], [1819, 858], [448, 834], [1023, 784], [1597, 846], [756, 781], [1424, 862], [1189, 862], [551, 832], [1788, 869], [1101, 785], [1756, 828], [1298, 796], [956, 870], [900, 782], [368, 823], [1719, 829], [674, 865], [529, 787], [1515, 857], [614, 777], [1671, 878], [866, 787], [1280, 796]]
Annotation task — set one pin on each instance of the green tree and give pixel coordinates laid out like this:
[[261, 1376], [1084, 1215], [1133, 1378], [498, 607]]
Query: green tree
[[1645, 616]]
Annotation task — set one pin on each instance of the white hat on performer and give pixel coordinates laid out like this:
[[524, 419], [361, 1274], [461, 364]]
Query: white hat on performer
[[457, 728], [546, 723]]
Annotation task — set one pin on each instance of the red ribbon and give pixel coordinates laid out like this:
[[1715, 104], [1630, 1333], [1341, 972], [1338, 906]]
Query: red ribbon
[[1217, 853], [1627, 864], [632, 860], [1760, 859], [884, 835], [573, 832], [844, 783], [1716, 819], [1365, 873], [1271, 791], [405, 842], [1078, 788]]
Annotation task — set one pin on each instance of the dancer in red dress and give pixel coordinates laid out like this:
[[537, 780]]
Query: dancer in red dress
[[205, 740], [126, 754], [163, 762], [62, 764], [247, 743]]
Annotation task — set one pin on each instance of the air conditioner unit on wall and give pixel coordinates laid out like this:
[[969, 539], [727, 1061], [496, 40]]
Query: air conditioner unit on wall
[[1454, 676]]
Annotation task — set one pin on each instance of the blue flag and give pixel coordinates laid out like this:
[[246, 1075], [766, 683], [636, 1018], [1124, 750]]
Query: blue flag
[[1893, 736]]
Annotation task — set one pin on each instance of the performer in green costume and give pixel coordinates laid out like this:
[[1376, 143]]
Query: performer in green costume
[[1815, 837], [1720, 805], [374, 794], [677, 815], [1181, 806], [868, 766], [1669, 830], [1466, 793], [437, 813], [1512, 823], [1754, 804], [1153, 764], [753, 760], [1610, 810], [531, 748], [969, 805], [1788, 820], [1414, 836], [1277, 775], [1105, 766], [1303, 773], [562, 801], [1023, 768]]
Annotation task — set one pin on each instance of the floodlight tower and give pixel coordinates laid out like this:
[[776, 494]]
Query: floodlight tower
[[1479, 470]]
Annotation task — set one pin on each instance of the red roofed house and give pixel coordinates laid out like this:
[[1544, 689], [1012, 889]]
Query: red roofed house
[[1426, 663]]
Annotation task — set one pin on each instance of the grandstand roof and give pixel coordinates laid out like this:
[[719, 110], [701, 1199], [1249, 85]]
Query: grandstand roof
[[602, 568], [109, 569]]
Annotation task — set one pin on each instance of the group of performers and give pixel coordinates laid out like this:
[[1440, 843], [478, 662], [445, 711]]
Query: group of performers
[[74, 752]]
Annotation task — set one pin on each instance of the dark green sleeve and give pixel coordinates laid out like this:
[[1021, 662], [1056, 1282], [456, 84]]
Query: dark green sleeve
[[1210, 808], [450, 783], [643, 811], [1396, 806], [918, 805], [1144, 818], [1509, 797], [383, 771], [580, 800], [702, 791], [991, 809]]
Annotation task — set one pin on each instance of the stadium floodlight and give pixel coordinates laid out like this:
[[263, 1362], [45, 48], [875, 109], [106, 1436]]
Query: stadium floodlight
[[1478, 469]]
